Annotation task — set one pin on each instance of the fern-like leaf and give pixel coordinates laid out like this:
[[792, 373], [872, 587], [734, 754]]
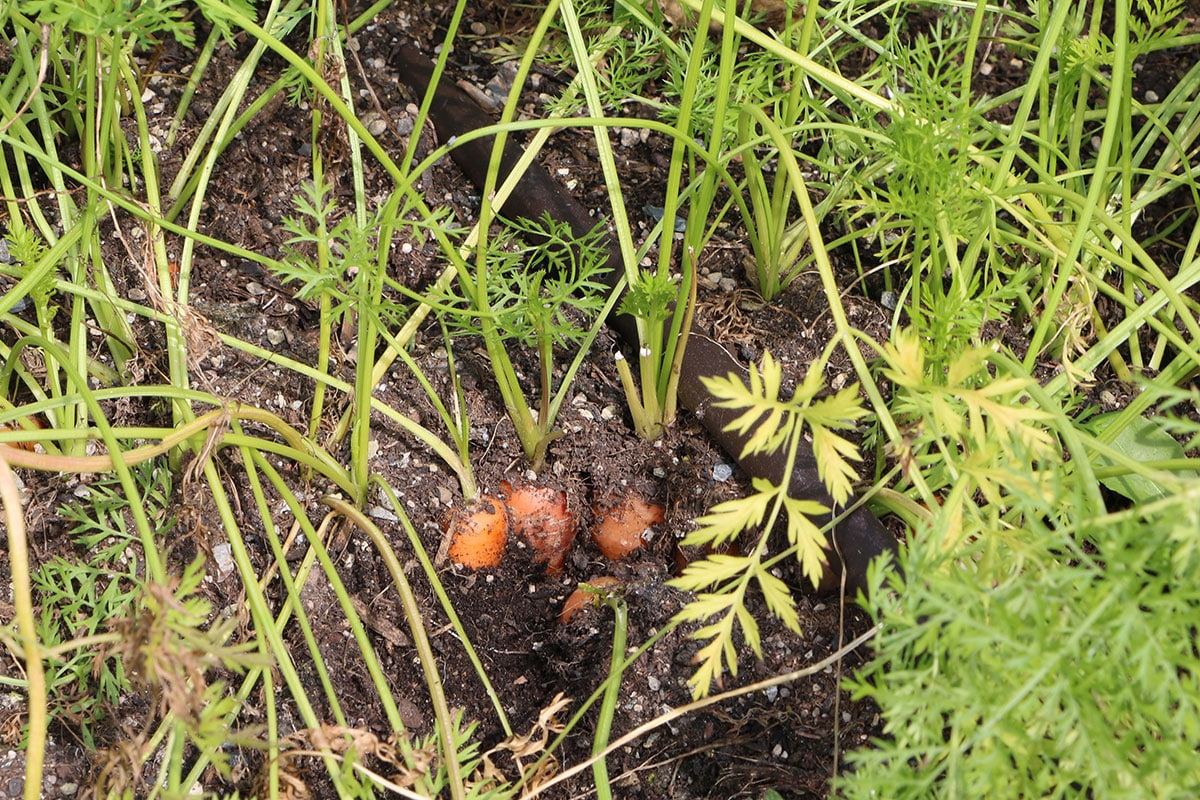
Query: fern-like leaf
[[779, 599], [715, 570], [726, 520], [769, 424], [760, 398], [833, 454], [806, 537]]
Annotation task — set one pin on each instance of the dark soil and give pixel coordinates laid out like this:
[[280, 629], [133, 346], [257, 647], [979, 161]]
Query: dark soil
[[784, 739], [789, 740]]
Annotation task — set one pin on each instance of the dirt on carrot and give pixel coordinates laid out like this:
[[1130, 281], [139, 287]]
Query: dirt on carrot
[[540, 515]]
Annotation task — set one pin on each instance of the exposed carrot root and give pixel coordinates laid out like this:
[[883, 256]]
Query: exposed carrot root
[[580, 598], [478, 536], [622, 527], [540, 515]]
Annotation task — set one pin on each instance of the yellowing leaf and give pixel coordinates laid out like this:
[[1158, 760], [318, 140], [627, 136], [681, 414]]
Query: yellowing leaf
[[704, 606], [813, 381], [837, 411], [779, 599], [770, 435], [806, 536], [906, 359], [769, 424], [770, 419], [713, 570], [832, 453], [947, 417], [726, 520], [966, 366], [711, 666], [772, 377]]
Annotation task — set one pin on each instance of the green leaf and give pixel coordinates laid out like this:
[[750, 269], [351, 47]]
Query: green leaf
[[142, 22], [1142, 440], [650, 297]]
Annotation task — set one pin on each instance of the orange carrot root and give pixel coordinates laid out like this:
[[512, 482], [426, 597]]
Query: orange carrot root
[[621, 528], [478, 536], [581, 598], [540, 515]]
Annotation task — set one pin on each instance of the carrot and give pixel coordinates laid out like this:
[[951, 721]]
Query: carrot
[[28, 445], [582, 597], [478, 536], [540, 515], [622, 527]]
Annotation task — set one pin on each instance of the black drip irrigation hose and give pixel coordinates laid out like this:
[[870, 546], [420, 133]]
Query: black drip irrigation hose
[[858, 536]]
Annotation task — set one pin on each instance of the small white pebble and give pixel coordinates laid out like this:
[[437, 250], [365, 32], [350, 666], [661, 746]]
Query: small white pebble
[[379, 512], [223, 555]]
